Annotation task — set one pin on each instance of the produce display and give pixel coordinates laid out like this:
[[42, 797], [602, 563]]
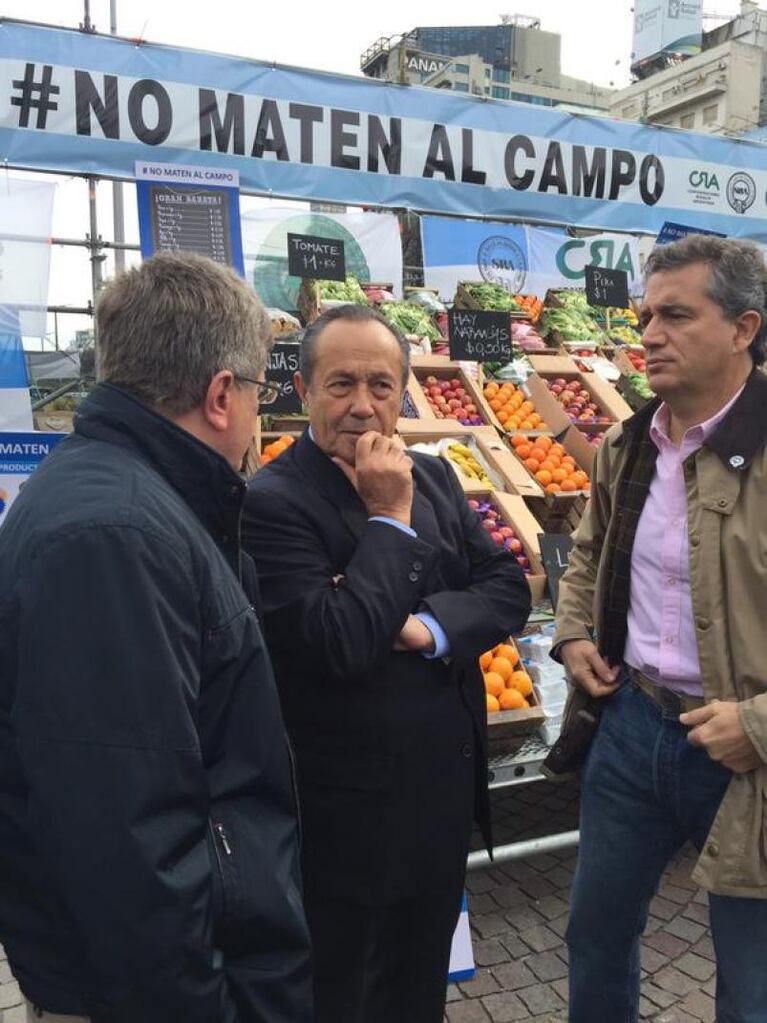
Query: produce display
[[637, 360], [548, 462], [507, 686], [342, 291], [640, 384], [461, 456], [513, 410], [275, 449], [525, 336], [492, 296], [625, 335], [411, 319], [626, 315], [576, 401], [377, 295], [531, 306], [448, 399], [501, 532], [573, 320]]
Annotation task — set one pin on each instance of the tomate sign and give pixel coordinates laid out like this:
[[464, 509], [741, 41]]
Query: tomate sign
[[74, 102]]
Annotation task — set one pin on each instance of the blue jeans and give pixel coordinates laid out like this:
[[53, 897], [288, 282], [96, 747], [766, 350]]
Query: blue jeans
[[646, 792]]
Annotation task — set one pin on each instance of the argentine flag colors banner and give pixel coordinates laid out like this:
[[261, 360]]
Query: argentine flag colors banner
[[523, 260]]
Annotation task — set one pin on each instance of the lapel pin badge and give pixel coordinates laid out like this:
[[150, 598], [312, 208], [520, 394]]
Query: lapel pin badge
[[736, 461]]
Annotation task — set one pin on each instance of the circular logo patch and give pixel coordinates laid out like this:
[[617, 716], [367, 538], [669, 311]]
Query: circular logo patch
[[501, 261], [741, 191]]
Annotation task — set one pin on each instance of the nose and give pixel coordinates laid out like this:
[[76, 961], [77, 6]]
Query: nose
[[362, 404], [652, 335]]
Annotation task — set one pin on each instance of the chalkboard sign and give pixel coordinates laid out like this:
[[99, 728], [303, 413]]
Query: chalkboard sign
[[479, 336], [280, 367], [191, 220], [607, 287], [555, 552], [320, 258]]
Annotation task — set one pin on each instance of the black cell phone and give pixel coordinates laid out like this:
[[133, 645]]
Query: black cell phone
[[568, 754]]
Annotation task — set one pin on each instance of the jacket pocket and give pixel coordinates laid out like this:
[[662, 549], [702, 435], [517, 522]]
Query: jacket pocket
[[219, 851]]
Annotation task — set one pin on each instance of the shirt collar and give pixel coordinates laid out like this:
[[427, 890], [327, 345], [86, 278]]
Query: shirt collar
[[697, 434]]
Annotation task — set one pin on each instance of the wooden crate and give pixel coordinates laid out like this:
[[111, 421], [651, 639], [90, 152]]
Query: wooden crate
[[464, 300], [442, 371], [506, 727]]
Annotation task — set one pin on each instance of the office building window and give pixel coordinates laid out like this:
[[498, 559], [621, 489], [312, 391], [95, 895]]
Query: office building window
[[461, 69], [499, 92], [521, 97], [710, 113], [500, 75], [460, 86], [687, 121]]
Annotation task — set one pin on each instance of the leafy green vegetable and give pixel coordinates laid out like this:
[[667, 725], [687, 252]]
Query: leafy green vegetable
[[343, 291], [492, 296], [410, 319]]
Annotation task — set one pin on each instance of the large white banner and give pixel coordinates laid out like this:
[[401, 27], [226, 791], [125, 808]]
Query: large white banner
[[372, 248], [26, 212], [666, 26], [558, 261]]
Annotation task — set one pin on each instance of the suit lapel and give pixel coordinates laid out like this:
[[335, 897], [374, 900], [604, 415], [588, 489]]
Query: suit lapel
[[331, 483]]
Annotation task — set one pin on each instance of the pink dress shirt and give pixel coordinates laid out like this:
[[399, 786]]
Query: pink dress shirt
[[661, 634]]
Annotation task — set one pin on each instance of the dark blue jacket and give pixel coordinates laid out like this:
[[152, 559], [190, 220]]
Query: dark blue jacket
[[148, 845]]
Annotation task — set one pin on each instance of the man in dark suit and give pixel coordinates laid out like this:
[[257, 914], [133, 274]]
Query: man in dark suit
[[380, 590]]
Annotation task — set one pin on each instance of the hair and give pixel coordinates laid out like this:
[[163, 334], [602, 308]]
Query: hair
[[166, 327], [351, 314], [736, 272]]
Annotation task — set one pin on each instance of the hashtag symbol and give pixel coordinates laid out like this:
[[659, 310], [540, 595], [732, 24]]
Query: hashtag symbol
[[28, 101]]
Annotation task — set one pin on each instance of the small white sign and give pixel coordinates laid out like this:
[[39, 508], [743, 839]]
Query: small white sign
[[186, 174]]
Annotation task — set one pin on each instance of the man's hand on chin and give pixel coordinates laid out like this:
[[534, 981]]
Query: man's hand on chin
[[382, 476]]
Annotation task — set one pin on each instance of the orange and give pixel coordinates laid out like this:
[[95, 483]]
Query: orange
[[522, 682], [492, 704], [558, 475], [523, 450], [538, 453], [557, 449], [518, 439], [532, 464], [494, 684], [511, 699], [553, 488], [544, 442], [491, 389], [526, 425], [543, 476], [506, 650], [485, 659], [548, 465], [534, 419], [501, 666], [568, 486], [496, 404]]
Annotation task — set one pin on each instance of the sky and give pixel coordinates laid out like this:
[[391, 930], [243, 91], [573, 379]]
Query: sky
[[596, 46]]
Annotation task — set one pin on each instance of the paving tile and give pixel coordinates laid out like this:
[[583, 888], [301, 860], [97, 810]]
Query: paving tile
[[551, 907], [667, 944], [540, 939], [704, 947], [10, 995], [651, 959], [489, 952], [509, 895], [483, 903], [547, 967], [523, 917], [466, 1012], [700, 1005], [695, 966], [505, 1007], [482, 983], [675, 1015], [687, 930], [672, 893], [453, 994], [489, 925], [663, 908], [663, 999], [697, 912], [513, 976], [537, 887], [541, 998], [515, 946], [671, 980]]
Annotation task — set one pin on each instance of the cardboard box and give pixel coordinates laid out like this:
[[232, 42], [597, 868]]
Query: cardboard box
[[419, 433], [506, 727], [515, 512], [445, 371], [518, 480], [493, 418], [610, 403]]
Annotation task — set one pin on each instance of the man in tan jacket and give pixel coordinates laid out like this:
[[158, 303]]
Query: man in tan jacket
[[661, 620]]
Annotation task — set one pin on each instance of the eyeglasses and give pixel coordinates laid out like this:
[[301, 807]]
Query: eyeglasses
[[268, 390]]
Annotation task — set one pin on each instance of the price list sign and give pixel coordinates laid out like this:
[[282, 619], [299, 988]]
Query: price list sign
[[479, 336], [607, 288], [190, 218]]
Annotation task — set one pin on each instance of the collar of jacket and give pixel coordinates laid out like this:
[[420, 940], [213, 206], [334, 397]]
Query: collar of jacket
[[203, 478], [740, 435]]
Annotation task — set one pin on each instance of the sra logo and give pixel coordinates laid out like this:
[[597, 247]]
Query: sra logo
[[705, 181]]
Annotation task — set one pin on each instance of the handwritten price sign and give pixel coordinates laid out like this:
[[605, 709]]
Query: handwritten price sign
[[607, 288], [320, 258], [479, 336]]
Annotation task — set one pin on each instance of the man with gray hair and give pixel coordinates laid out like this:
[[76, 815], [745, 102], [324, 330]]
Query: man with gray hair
[[148, 848], [660, 625]]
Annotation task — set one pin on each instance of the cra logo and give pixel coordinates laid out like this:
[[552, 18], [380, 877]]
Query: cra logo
[[705, 181]]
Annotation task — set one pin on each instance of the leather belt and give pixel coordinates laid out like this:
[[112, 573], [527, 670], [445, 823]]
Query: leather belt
[[667, 699]]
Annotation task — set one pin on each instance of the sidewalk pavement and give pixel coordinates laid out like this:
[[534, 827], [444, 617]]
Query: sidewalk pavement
[[518, 914]]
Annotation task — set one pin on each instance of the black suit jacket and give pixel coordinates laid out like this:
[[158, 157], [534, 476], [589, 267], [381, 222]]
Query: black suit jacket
[[390, 747]]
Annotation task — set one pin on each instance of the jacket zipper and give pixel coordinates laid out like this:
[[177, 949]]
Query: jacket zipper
[[223, 838]]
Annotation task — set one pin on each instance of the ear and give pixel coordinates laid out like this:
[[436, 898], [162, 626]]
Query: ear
[[300, 386], [217, 404], [746, 328]]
